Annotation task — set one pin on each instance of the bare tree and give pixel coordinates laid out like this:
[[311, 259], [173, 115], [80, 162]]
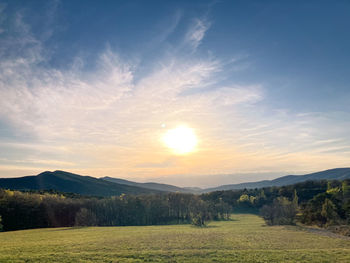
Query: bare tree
[[85, 218]]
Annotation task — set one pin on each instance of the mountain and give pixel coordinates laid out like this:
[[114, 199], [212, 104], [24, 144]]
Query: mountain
[[108, 186], [72, 183], [332, 174], [152, 186]]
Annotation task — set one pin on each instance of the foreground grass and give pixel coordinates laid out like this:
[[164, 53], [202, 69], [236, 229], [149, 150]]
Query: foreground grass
[[245, 239]]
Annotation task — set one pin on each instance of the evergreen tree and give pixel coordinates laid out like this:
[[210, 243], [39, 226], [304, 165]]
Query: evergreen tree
[[329, 211], [295, 199], [346, 189]]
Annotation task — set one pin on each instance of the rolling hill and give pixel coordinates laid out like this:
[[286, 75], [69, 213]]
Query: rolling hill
[[109, 186], [152, 186], [72, 183], [332, 174]]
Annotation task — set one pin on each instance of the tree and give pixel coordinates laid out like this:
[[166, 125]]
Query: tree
[[329, 185], [295, 199], [199, 211], [346, 190], [85, 218], [0, 224], [329, 211], [281, 212], [245, 200], [222, 210], [346, 207]]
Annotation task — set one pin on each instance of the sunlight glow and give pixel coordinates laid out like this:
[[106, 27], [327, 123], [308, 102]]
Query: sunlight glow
[[181, 140]]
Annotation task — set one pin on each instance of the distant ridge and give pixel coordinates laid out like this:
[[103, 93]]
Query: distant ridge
[[332, 174], [109, 186], [72, 183], [152, 186]]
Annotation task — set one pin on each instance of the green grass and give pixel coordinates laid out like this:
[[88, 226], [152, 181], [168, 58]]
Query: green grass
[[245, 239]]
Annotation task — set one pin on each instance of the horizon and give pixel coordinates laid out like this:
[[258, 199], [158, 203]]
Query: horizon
[[185, 93], [202, 185]]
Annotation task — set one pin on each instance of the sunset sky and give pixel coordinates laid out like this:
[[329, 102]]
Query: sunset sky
[[92, 87]]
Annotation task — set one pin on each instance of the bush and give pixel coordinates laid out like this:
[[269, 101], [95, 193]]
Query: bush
[[281, 212], [85, 217]]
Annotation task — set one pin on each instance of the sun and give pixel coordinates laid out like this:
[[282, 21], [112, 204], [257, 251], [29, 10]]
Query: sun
[[181, 140]]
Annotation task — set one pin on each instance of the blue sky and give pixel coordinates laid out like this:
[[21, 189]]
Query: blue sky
[[91, 87]]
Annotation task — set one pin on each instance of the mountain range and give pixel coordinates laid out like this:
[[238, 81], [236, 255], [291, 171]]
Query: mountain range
[[331, 174], [71, 183], [152, 186], [109, 186]]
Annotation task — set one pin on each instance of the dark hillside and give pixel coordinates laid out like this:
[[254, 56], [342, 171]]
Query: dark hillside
[[332, 174], [150, 185], [71, 183]]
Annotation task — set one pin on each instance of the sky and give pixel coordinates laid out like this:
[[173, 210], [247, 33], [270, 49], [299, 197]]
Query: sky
[[91, 87]]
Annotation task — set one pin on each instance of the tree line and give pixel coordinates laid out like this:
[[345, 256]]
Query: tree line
[[323, 203], [24, 210]]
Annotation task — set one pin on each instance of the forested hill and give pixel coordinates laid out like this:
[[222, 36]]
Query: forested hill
[[71, 183], [153, 186], [108, 186], [332, 174]]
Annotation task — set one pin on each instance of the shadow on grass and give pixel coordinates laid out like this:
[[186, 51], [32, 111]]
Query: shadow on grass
[[203, 227], [70, 228], [253, 211], [230, 220]]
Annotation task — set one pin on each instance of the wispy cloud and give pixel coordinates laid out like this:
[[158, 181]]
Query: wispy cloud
[[197, 32], [107, 106], [108, 121]]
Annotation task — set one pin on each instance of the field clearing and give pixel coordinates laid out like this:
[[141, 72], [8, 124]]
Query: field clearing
[[244, 239]]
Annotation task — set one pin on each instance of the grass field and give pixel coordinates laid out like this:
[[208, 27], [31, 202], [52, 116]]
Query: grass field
[[244, 239]]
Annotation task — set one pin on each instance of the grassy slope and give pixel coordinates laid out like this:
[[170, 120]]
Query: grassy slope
[[245, 239]]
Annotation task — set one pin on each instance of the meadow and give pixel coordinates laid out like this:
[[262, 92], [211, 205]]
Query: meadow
[[245, 238]]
